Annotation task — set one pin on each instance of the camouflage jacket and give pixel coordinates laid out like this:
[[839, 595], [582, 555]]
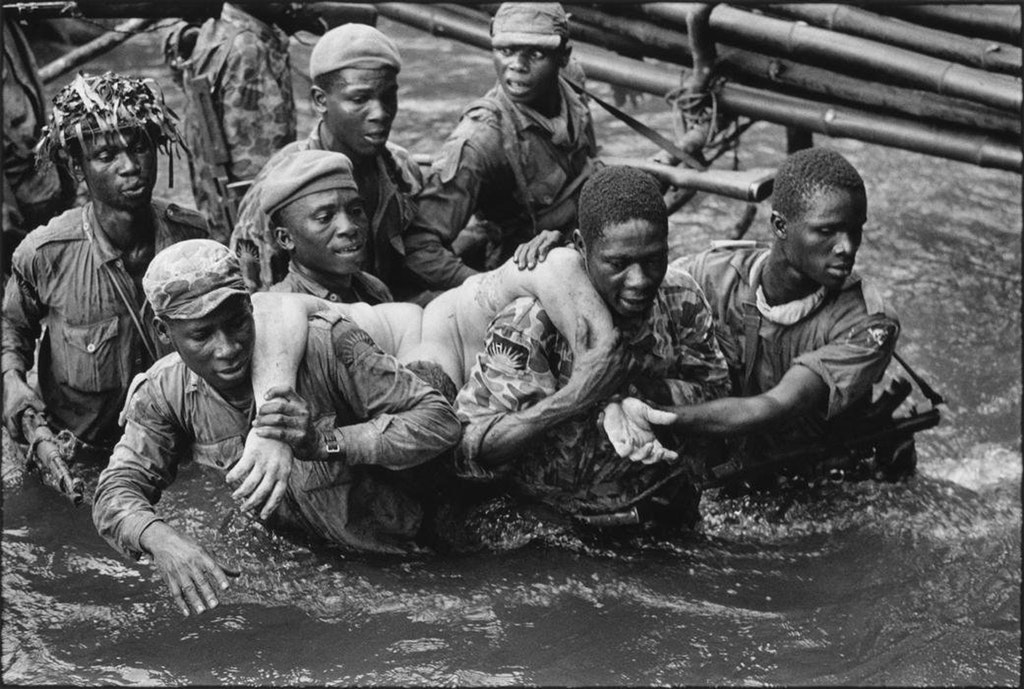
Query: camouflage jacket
[[509, 166], [574, 465], [64, 279], [399, 179], [388, 419], [31, 194], [249, 70], [848, 340]]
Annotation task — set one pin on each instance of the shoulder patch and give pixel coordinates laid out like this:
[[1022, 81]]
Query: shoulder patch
[[507, 353], [65, 227]]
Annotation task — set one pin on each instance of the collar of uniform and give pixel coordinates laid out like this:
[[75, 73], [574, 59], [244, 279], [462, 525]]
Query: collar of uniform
[[757, 267], [652, 335], [310, 285], [195, 385], [573, 110], [244, 20], [101, 245]]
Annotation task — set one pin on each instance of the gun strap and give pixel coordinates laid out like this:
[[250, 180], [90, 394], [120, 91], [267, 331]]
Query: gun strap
[[751, 342], [640, 128], [927, 390]]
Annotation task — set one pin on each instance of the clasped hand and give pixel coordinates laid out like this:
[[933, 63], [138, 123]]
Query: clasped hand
[[628, 424]]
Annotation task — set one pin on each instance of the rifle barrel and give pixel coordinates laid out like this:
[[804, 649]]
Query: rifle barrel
[[121, 33]]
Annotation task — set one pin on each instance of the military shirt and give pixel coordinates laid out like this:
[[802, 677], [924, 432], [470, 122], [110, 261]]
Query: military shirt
[[249, 69], [364, 288], [848, 340], [574, 465], [264, 263], [389, 420], [510, 167], [64, 278]]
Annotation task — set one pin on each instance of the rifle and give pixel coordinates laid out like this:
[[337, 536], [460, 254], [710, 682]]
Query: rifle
[[49, 453], [216, 145]]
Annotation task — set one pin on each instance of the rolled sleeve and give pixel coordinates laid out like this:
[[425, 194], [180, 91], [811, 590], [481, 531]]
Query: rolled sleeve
[[408, 422], [851, 364], [143, 464]]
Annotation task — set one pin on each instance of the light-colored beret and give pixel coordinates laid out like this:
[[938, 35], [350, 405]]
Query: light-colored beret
[[303, 173], [536, 24], [353, 45]]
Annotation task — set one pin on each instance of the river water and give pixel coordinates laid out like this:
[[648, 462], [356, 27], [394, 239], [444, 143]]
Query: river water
[[910, 583]]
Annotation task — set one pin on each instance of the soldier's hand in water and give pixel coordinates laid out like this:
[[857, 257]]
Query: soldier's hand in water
[[193, 576], [529, 254], [629, 426], [285, 417], [18, 396], [260, 476], [600, 366]]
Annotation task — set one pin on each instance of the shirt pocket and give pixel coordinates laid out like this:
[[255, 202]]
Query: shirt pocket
[[89, 356], [221, 454]]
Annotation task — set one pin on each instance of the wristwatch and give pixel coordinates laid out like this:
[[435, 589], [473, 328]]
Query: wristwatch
[[332, 444]]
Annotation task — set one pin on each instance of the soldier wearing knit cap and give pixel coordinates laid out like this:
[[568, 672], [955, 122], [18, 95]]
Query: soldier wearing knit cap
[[351, 407], [319, 218], [515, 162], [80, 275], [354, 69]]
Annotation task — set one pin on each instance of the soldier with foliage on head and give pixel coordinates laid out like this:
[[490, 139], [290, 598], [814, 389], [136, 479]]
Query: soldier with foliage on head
[[80, 276]]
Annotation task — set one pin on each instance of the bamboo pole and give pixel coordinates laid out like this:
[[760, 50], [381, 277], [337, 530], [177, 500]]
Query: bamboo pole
[[121, 33], [812, 44], [980, 21], [984, 54], [944, 141]]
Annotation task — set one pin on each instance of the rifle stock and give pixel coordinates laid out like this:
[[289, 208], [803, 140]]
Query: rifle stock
[[46, 455], [747, 185], [852, 447], [216, 145]]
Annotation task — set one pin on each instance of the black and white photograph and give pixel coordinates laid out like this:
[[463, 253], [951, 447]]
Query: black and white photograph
[[511, 344]]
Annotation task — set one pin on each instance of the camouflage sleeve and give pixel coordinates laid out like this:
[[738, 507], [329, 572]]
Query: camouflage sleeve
[[144, 463], [700, 371], [512, 373], [855, 358], [257, 105], [448, 200], [23, 311]]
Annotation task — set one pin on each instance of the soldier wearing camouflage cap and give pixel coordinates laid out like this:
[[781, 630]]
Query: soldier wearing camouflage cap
[[515, 162], [353, 488], [80, 275], [354, 69]]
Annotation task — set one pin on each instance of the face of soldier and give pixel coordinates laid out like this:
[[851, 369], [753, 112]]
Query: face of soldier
[[358, 109], [529, 75], [821, 243], [626, 264], [326, 231], [120, 171], [218, 346]]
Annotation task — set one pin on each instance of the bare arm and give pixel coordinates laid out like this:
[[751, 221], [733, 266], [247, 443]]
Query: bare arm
[[799, 391]]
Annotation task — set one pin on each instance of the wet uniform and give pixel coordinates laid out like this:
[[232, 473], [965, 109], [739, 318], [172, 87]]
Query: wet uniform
[[64, 278], [365, 288], [574, 466], [249, 69], [848, 340], [389, 420], [511, 167], [264, 263], [31, 195]]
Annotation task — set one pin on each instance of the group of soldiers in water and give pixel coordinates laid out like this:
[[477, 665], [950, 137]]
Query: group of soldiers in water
[[370, 354]]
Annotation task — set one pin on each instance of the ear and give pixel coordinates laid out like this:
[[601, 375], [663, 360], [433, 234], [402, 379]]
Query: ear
[[566, 54], [161, 330], [319, 99], [579, 242], [778, 224], [284, 238]]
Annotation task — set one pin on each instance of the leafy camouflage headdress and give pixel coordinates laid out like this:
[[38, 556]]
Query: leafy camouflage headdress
[[106, 104]]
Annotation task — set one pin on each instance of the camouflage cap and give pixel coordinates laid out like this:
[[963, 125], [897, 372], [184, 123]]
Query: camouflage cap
[[537, 24], [353, 45], [303, 173], [192, 278]]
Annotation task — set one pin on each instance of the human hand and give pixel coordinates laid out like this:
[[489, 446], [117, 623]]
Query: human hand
[[18, 397], [528, 254], [600, 367], [628, 425], [286, 417], [260, 476], [192, 574]]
